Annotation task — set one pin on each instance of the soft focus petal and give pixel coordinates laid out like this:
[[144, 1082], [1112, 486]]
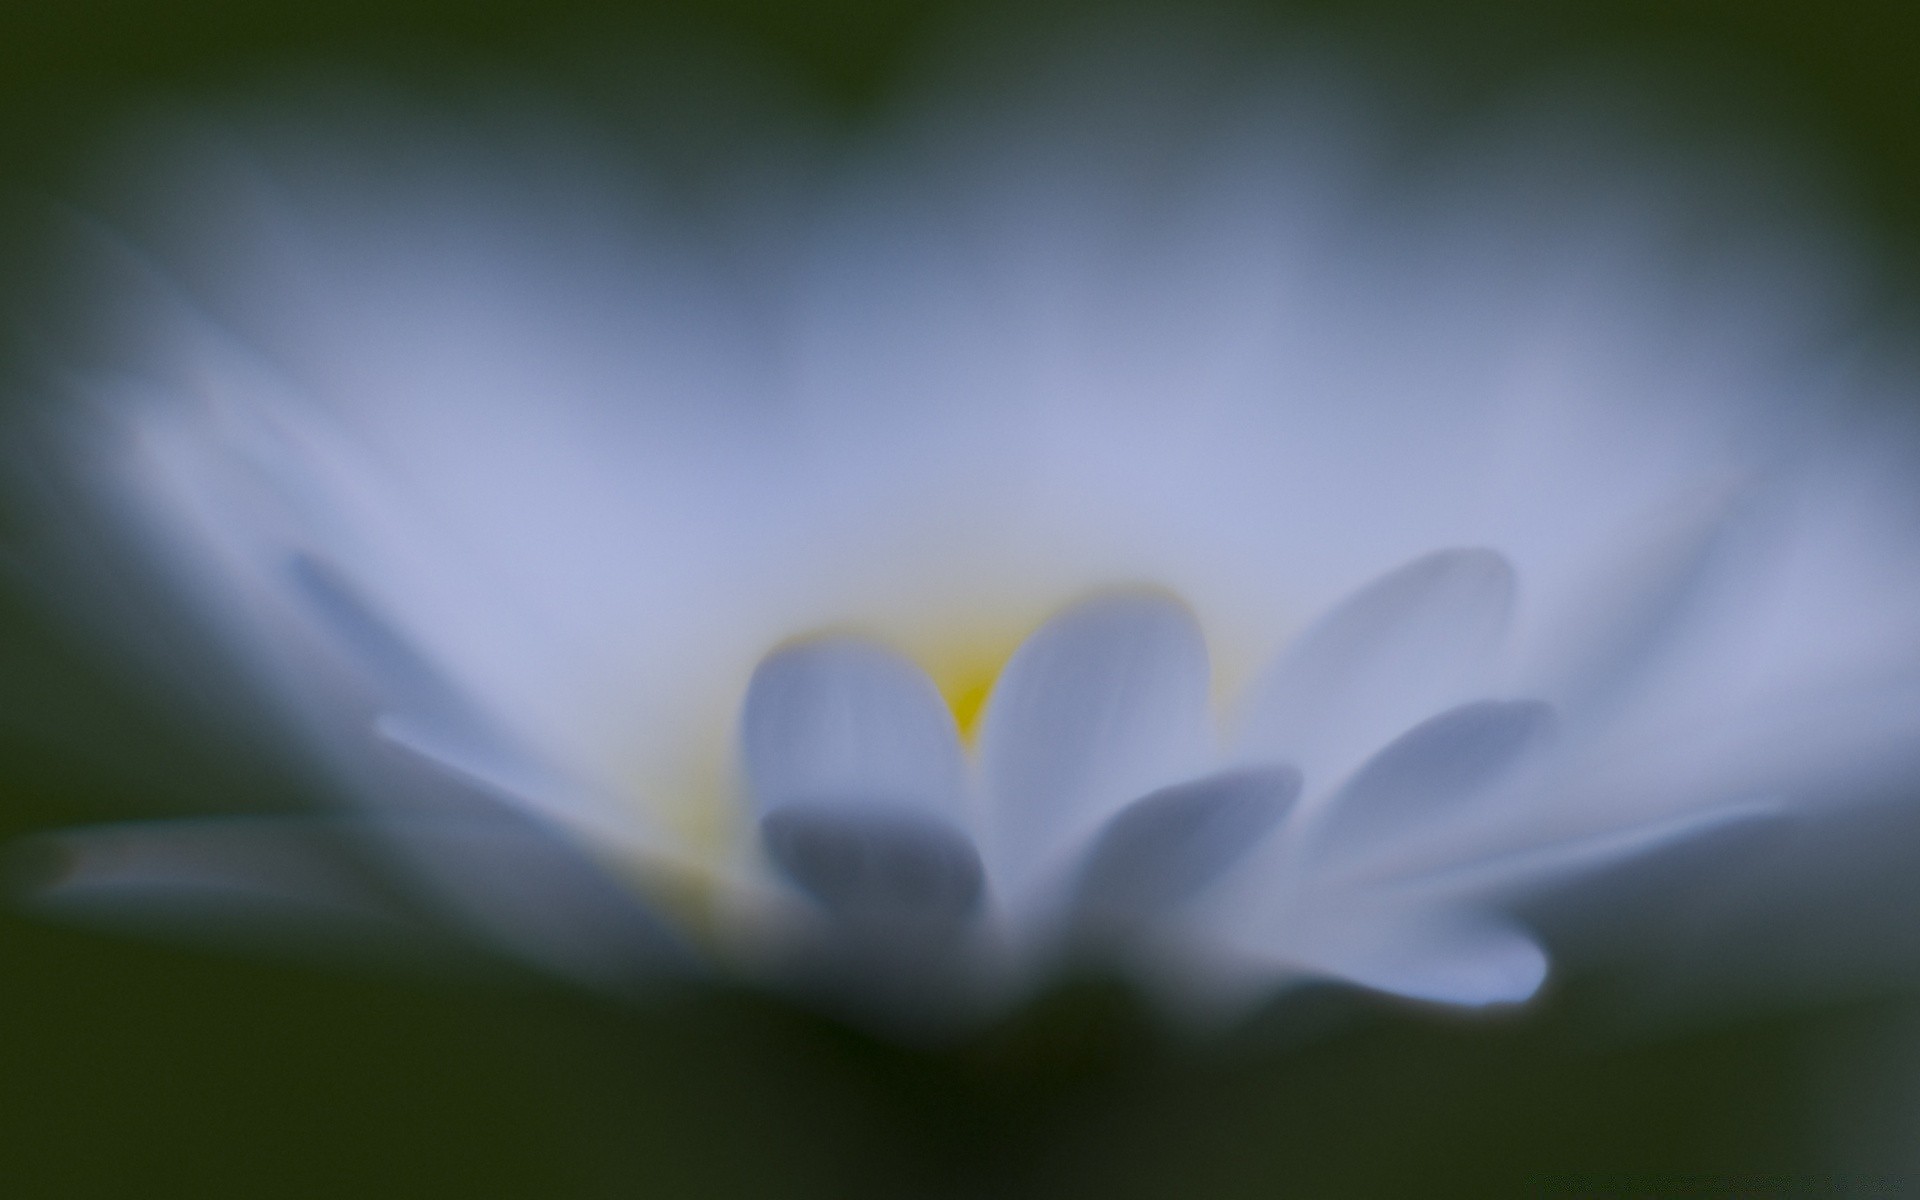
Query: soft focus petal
[[1644, 604], [1424, 776], [429, 716], [247, 877], [1539, 868], [1459, 958], [878, 865], [1163, 848], [1393, 653], [1103, 704], [840, 721], [526, 890]]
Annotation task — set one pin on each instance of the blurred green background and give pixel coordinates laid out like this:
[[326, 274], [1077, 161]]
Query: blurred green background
[[137, 1070]]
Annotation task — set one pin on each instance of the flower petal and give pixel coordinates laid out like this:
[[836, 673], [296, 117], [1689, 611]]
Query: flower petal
[[528, 890], [1167, 846], [1649, 603], [1545, 867], [516, 780], [842, 721], [1105, 702], [430, 717], [412, 685], [1390, 654], [1460, 958], [238, 878], [881, 865], [1431, 768], [314, 884]]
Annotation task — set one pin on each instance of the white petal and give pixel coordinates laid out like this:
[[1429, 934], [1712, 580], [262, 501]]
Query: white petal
[[1646, 605], [1394, 652], [1105, 702], [527, 890], [877, 866], [1428, 772], [428, 715], [1544, 867], [411, 685], [312, 884], [246, 877], [842, 721], [1458, 958], [1166, 847], [1446, 959]]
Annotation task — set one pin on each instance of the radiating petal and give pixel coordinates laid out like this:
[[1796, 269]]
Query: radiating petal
[[1646, 604], [241, 878], [1460, 958], [314, 883], [1166, 847], [516, 780], [1430, 770], [1105, 702], [413, 685], [1390, 654], [841, 721], [1545, 867], [432, 718], [528, 890], [876, 866]]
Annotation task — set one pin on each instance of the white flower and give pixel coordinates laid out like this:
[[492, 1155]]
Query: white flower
[[1170, 546]]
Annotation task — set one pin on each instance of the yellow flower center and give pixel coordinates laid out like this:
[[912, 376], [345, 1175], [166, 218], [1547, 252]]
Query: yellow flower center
[[964, 662]]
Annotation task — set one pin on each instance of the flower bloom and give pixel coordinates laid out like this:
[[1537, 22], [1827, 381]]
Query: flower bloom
[[1036, 543]]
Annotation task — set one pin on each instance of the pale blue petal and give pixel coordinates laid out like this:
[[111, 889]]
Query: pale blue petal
[[305, 883], [526, 889], [1167, 847], [1394, 652], [1428, 772], [1104, 703], [842, 722], [286, 881], [880, 866], [1457, 958], [513, 778], [1645, 606], [428, 715], [410, 684], [1542, 868]]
